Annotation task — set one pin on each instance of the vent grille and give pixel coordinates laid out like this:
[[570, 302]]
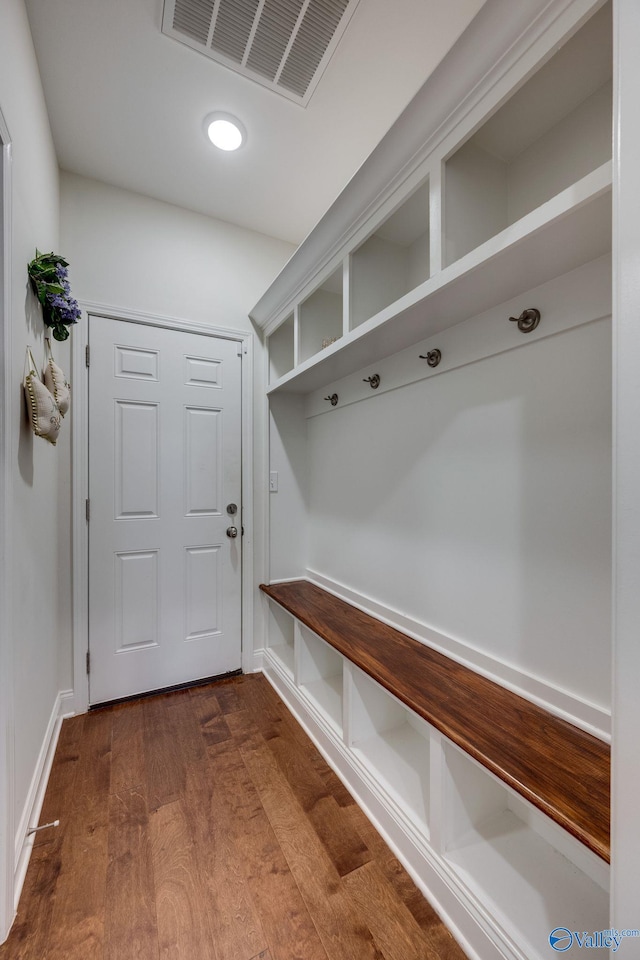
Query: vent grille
[[282, 44]]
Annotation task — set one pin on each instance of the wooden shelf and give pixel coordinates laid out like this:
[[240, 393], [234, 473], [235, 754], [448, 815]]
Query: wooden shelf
[[571, 229], [560, 769]]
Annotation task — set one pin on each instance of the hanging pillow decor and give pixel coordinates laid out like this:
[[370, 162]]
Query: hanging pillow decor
[[48, 274], [56, 381], [44, 414]]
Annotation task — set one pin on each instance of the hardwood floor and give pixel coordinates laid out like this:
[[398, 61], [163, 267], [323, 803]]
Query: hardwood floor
[[204, 825]]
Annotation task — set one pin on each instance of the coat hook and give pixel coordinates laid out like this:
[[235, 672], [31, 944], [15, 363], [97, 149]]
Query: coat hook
[[528, 320], [333, 399], [374, 381], [433, 357]]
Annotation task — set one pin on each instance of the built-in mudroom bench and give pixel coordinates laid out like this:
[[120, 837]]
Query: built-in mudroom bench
[[452, 767], [437, 603], [557, 767]]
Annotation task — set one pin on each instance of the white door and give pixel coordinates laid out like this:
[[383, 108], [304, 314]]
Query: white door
[[164, 488]]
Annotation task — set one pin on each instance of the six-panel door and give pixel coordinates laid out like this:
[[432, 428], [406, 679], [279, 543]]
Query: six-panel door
[[164, 468]]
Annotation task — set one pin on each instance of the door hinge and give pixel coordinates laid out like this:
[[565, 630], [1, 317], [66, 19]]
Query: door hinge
[[88, 662], [87, 355], [87, 509], [239, 350]]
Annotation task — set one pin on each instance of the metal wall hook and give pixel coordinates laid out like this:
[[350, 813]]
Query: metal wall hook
[[333, 399], [528, 320], [433, 357], [373, 381]]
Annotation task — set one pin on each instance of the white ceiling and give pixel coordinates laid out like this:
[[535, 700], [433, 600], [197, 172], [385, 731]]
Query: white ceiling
[[127, 106]]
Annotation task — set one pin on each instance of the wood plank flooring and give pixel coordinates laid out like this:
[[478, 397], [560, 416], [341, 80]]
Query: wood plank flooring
[[204, 825]]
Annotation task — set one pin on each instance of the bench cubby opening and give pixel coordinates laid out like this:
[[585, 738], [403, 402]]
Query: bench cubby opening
[[394, 742], [526, 870], [320, 676], [281, 637]]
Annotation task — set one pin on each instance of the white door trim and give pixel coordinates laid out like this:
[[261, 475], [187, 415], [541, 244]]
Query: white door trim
[[7, 813], [80, 477]]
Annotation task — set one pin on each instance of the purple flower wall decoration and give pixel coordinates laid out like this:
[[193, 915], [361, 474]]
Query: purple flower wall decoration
[[48, 275]]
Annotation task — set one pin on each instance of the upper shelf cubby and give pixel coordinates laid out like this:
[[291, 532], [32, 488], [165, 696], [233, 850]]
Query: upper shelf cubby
[[393, 260], [553, 131], [320, 317], [515, 186], [281, 347]]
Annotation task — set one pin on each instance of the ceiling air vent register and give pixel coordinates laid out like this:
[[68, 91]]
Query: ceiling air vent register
[[283, 44]]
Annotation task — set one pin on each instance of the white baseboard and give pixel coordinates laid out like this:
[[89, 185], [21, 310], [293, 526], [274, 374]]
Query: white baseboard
[[258, 661], [562, 703], [62, 708]]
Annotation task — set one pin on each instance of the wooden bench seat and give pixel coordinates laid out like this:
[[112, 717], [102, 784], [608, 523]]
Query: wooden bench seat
[[559, 768]]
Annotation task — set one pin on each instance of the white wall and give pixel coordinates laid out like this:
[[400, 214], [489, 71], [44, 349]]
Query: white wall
[[39, 565], [140, 254], [131, 251], [477, 502]]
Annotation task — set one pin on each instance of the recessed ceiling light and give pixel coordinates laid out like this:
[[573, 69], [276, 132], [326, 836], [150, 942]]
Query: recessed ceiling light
[[224, 131]]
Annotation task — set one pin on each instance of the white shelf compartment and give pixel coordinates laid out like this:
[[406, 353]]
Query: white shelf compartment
[[567, 231], [551, 133], [321, 316], [320, 676], [530, 874], [281, 637], [281, 347], [393, 742], [392, 261]]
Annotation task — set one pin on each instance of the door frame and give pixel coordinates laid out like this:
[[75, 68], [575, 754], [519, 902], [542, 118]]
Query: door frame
[[80, 477], [7, 718]]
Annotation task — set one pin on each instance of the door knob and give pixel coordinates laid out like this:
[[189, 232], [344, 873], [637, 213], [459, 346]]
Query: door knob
[[232, 532]]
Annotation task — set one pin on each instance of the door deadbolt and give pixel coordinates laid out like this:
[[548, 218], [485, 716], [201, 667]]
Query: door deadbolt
[[232, 532], [232, 509]]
